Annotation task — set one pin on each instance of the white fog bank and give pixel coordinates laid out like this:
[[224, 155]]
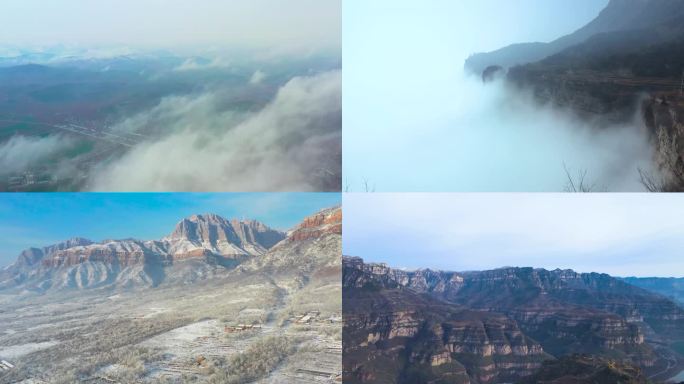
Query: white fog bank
[[414, 122], [458, 134], [283, 147]]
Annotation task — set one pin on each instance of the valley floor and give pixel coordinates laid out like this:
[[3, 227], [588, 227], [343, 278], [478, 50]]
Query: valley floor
[[233, 329]]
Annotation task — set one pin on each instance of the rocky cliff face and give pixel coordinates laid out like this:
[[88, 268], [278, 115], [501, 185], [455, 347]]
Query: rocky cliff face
[[565, 311], [33, 256], [626, 64], [199, 236], [663, 115], [325, 222], [393, 334], [222, 236], [122, 253], [314, 244], [583, 369], [216, 243]]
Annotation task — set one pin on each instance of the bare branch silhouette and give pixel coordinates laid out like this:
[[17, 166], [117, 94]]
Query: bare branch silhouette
[[578, 183], [649, 181]]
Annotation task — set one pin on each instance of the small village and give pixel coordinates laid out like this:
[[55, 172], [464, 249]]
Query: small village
[[196, 346]]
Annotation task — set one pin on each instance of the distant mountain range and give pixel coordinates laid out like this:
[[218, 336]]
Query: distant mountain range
[[669, 287], [200, 247], [499, 325], [624, 25]]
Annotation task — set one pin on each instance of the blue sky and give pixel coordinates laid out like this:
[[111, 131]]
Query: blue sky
[[34, 220], [619, 234]]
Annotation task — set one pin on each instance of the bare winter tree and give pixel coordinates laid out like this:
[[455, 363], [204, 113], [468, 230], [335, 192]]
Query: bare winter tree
[[367, 187], [651, 183], [578, 183]]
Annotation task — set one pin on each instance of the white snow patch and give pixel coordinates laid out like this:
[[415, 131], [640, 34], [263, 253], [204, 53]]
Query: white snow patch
[[154, 311], [14, 351]]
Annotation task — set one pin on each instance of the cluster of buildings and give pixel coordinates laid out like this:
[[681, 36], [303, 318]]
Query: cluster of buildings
[[29, 179]]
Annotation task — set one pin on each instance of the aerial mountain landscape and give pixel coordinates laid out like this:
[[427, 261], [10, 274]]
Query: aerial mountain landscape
[[70, 122], [216, 300], [503, 326], [143, 99], [627, 62]]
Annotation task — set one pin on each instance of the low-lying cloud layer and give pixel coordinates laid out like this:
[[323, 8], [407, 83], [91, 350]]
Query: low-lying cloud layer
[[21, 152], [293, 143], [457, 134]]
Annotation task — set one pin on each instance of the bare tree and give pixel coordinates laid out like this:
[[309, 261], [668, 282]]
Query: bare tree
[[578, 183], [650, 182], [367, 187]]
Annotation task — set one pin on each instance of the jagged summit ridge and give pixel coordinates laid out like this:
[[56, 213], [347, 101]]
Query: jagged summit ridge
[[199, 247], [226, 237]]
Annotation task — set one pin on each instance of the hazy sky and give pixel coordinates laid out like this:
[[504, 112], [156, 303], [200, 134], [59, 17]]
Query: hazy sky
[[431, 34], [35, 220], [173, 23], [619, 234]]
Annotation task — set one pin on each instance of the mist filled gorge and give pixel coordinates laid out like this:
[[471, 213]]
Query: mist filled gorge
[[491, 137], [589, 104]]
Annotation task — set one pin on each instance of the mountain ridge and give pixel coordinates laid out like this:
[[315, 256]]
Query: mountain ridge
[[199, 247], [564, 311], [617, 16]]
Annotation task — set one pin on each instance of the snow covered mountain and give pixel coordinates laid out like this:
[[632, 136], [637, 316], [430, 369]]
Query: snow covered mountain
[[199, 247]]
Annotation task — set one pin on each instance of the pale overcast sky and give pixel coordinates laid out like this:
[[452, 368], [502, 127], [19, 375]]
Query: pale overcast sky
[[172, 23], [618, 234]]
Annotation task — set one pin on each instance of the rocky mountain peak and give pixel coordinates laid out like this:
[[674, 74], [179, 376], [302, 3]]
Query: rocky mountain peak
[[206, 228], [207, 217], [222, 236], [199, 247], [324, 222], [75, 241]]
